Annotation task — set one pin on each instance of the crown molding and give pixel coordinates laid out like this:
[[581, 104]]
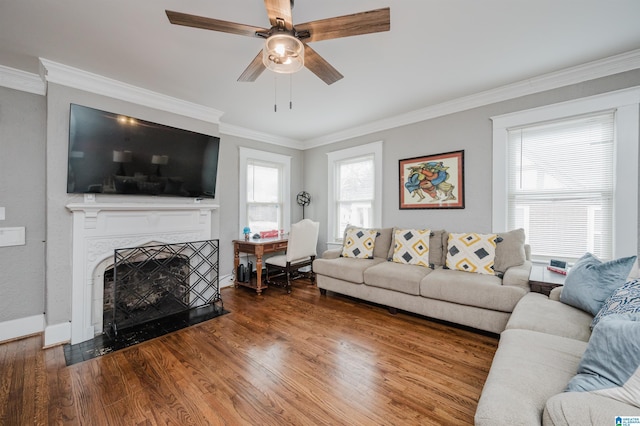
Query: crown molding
[[601, 68], [22, 80], [76, 78], [243, 132]]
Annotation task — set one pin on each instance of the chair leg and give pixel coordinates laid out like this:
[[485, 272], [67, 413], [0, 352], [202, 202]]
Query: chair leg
[[312, 276], [288, 278]]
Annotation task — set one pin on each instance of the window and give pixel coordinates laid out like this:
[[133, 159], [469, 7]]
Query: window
[[561, 186], [264, 189], [568, 175], [355, 188]]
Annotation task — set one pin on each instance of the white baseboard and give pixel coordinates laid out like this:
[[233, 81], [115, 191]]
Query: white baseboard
[[226, 281], [21, 327], [57, 334]]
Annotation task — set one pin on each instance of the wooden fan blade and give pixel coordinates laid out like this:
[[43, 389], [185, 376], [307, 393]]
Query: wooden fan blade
[[372, 21], [320, 67], [254, 69], [179, 18], [279, 10]]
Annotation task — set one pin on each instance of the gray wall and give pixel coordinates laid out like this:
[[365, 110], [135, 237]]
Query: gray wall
[[468, 130], [22, 193]]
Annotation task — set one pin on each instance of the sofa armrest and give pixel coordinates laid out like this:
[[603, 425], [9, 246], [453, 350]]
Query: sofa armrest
[[555, 293], [332, 253], [518, 276]]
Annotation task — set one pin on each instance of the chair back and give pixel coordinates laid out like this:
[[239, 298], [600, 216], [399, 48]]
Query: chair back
[[303, 239]]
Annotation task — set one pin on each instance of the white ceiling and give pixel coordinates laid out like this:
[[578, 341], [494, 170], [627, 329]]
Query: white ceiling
[[436, 51]]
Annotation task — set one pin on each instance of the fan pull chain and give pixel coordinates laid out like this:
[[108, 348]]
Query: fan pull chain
[[290, 91], [275, 94]]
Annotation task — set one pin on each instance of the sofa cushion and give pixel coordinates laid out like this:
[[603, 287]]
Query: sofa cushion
[[591, 281], [482, 291], [625, 299], [537, 312], [343, 268], [438, 247], [510, 250], [359, 242], [383, 242], [411, 246], [471, 252], [528, 368], [610, 365], [396, 276]]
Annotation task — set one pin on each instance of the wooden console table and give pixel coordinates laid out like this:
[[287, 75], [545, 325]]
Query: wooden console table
[[258, 248]]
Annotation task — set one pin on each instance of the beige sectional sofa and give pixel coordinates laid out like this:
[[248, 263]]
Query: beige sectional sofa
[[538, 354], [484, 302]]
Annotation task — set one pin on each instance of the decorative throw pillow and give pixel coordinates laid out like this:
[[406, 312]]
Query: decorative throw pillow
[[383, 242], [591, 281], [472, 252], [624, 300], [610, 365], [411, 246], [359, 243], [510, 250]]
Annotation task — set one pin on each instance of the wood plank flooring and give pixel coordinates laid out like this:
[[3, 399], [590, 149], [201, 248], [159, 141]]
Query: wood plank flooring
[[275, 359]]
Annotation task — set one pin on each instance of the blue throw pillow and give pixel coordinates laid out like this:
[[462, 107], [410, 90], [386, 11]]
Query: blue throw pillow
[[610, 365], [591, 281], [624, 300]]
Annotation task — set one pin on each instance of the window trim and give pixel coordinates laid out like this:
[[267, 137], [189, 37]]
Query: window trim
[[626, 103], [333, 157], [247, 154]]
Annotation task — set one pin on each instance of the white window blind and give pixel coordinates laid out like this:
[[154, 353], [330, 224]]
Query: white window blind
[[355, 190], [264, 196], [560, 186]]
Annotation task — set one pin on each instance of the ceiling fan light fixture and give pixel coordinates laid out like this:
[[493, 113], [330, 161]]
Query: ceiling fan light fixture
[[283, 53]]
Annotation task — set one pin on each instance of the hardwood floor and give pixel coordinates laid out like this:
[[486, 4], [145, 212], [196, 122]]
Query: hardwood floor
[[302, 359]]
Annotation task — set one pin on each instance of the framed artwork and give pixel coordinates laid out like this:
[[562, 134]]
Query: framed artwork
[[432, 181]]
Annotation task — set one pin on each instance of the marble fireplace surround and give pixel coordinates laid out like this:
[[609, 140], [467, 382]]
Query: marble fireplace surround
[[99, 228]]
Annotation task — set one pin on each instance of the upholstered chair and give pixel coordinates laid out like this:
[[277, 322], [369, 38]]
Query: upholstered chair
[[301, 251]]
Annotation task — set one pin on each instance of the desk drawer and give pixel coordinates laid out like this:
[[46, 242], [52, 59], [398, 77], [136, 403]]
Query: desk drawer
[[281, 245]]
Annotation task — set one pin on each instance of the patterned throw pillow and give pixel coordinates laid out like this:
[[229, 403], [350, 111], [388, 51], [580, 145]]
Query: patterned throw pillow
[[359, 243], [624, 300], [472, 253], [411, 246]]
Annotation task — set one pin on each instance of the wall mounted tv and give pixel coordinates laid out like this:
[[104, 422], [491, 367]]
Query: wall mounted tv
[[117, 154]]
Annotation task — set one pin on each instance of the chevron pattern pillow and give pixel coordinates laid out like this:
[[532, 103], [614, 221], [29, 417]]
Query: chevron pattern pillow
[[411, 246], [472, 253], [359, 243]]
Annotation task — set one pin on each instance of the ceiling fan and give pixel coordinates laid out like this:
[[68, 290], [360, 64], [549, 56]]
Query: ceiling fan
[[286, 49]]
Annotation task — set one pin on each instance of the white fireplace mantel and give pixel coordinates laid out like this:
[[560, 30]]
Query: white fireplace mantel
[[99, 228]]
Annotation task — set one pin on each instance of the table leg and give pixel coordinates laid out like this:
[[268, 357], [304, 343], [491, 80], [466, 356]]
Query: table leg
[[259, 271], [236, 263]]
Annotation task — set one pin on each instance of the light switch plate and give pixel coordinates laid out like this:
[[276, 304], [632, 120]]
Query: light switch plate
[[12, 236], [2, 217]]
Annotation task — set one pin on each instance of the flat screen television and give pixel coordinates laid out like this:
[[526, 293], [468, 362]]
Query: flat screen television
[[117, 154]]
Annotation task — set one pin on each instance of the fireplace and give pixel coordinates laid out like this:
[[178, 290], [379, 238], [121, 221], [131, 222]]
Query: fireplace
[[101, 228], [151, 282]]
